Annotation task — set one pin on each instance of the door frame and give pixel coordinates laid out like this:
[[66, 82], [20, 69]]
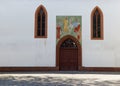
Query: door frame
[[79, 50]]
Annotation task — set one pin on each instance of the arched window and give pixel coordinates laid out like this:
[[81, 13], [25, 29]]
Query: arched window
[[41, 22], [97, 24]]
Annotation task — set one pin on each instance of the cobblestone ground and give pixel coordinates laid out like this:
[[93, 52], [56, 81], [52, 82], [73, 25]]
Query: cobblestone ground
[[60, 79]]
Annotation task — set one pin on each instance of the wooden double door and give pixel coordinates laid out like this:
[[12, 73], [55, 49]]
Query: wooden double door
[[68, 56]]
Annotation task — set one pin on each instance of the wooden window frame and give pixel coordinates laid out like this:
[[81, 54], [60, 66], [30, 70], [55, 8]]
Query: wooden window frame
[[36, 22], [101, 23]]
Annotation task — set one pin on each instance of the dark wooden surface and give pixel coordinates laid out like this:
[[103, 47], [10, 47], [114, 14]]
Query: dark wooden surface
[[68, 59]]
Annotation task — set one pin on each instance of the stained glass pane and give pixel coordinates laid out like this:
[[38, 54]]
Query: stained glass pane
[[41, 11], [98, 25], [38, 25], [43, 24], [94, 26]]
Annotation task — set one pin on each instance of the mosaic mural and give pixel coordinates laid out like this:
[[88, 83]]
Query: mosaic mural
[[68, 25]]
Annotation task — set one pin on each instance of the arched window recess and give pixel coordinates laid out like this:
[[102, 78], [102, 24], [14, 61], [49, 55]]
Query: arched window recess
[[41, 22], [97, 24]]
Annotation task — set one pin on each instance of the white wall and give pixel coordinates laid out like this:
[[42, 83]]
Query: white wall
[[18, 47], [103, 53]]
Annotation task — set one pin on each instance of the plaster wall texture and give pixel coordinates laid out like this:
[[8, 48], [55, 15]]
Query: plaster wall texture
[[19, 48]]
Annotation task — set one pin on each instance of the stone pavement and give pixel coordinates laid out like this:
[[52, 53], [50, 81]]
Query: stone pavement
[[69, 78]]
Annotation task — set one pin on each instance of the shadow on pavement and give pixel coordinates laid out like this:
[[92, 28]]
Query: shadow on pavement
[[53, 81]]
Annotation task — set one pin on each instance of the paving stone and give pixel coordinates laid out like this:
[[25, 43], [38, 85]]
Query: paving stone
[[69, 78]]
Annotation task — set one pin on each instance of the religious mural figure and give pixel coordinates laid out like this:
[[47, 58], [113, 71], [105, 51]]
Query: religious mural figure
[[66, 25], [58, 31], [70, 25], [77, 29]]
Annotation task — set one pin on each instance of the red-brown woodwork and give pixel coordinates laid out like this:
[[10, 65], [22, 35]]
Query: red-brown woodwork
[[64, 54], [101, 24], [68, 59], [41, 7]]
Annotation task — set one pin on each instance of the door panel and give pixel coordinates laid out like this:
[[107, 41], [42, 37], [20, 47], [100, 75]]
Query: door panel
[[68, 59]]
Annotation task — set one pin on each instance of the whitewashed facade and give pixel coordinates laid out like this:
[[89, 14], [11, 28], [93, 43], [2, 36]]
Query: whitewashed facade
[[19, 48]]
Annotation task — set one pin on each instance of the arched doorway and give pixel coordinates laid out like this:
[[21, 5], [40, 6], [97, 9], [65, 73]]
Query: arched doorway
[[68, 54]]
